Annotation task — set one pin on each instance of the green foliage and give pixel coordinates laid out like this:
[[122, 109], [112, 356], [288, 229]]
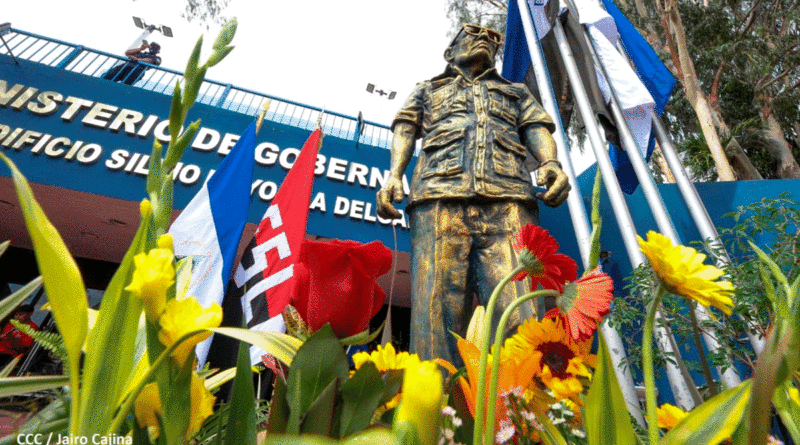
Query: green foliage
[[606, 416], [320, 397], [772, 223], [51, 341]]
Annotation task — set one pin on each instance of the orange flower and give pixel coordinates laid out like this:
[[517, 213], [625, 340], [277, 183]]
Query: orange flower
[[515, 372], [583, 304], [560, 360], [538, 253]]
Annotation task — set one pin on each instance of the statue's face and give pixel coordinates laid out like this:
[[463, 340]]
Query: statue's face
[[475, 44]]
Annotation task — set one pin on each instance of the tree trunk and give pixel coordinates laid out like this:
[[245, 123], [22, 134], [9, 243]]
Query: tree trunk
[[658, 158], [695, 95], [779, 149]]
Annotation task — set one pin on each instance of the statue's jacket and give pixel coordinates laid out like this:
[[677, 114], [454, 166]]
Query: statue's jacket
[[471, 137]]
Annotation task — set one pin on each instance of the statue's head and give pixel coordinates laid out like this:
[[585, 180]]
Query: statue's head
[[473, 44]]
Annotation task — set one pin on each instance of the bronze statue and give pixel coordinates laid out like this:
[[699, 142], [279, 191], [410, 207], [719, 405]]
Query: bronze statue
[[470, 192]]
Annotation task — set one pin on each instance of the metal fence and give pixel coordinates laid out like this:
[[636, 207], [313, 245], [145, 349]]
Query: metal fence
[[94, 63]]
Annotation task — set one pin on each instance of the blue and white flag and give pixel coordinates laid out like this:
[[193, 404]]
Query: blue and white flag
[[637, 95], [210, 227]]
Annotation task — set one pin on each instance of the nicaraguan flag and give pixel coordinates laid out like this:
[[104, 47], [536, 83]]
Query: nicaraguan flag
[[210, 227], [651, 90]]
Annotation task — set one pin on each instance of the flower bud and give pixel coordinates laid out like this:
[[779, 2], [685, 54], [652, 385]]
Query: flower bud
[[422, 400]]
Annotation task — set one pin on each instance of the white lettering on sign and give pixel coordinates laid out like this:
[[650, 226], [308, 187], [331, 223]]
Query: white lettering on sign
[[125, 122]]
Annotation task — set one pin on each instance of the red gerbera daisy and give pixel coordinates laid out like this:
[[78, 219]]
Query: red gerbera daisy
[[538, 253], [584, 303]]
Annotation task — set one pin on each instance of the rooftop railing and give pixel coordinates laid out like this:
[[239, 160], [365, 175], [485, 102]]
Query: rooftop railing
[[90, 62]]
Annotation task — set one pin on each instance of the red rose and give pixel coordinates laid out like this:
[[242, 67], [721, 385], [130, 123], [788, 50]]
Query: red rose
[[335, 283]]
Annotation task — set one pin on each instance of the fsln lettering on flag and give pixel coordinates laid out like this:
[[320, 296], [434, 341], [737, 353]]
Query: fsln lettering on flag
[[264, 279]]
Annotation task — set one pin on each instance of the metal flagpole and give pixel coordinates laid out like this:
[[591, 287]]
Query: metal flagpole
[[577, 211], [699, 213], [695, 205], [729, 376], [679, 385]]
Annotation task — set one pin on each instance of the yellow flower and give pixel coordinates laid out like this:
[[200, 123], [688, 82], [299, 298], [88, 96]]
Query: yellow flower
[[422, 400], [148, 410], [794, 394], [385, 359], [202, 405], [669, 416], [562, 361], [182, 317], [154, 273], [682, 272]]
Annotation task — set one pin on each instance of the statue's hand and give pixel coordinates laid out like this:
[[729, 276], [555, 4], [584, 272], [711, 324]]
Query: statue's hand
[[391, 191], [551, 176]]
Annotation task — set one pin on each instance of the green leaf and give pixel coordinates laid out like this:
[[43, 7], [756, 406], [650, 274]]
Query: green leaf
[[192, 88], [394, 381], [194, 61], [361, 396], [279, 409], [298, 440], [154, 172], [374, 436], [769, 288], [776, 270], [54, 418], [175, 152], [62, 279], [4, 247], [319, 417], [607, 419], [714, 420], [363, 337], [11, 302], [12, 386], [110, 361], [6, 371], [789, 410], [320, 360], [225, 36], [282, 346], [550, 435], [176, 114], [218, 55], [241, 427]]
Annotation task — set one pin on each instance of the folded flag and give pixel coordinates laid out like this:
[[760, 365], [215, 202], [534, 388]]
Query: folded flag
[[637, 96], [210, 227]]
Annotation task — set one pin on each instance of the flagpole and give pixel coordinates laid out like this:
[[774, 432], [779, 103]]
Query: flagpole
[[678, 384], [580, 220], [729, 376], [261, 115], [699, 213]]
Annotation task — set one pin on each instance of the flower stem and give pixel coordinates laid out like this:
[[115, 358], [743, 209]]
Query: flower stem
[[698, 344], [477, 432], [647, 366], [498, 339], [126, 407]]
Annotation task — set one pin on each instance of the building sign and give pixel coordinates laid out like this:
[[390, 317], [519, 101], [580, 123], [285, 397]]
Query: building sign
[[94, 135]]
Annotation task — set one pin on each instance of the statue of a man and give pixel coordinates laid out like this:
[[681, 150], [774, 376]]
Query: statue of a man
[[470, 192]]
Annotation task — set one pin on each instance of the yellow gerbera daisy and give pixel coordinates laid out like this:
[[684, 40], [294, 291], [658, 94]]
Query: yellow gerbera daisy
[[669, 416], [682, 272], [182, 317], [385, 359], [561, 360]]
